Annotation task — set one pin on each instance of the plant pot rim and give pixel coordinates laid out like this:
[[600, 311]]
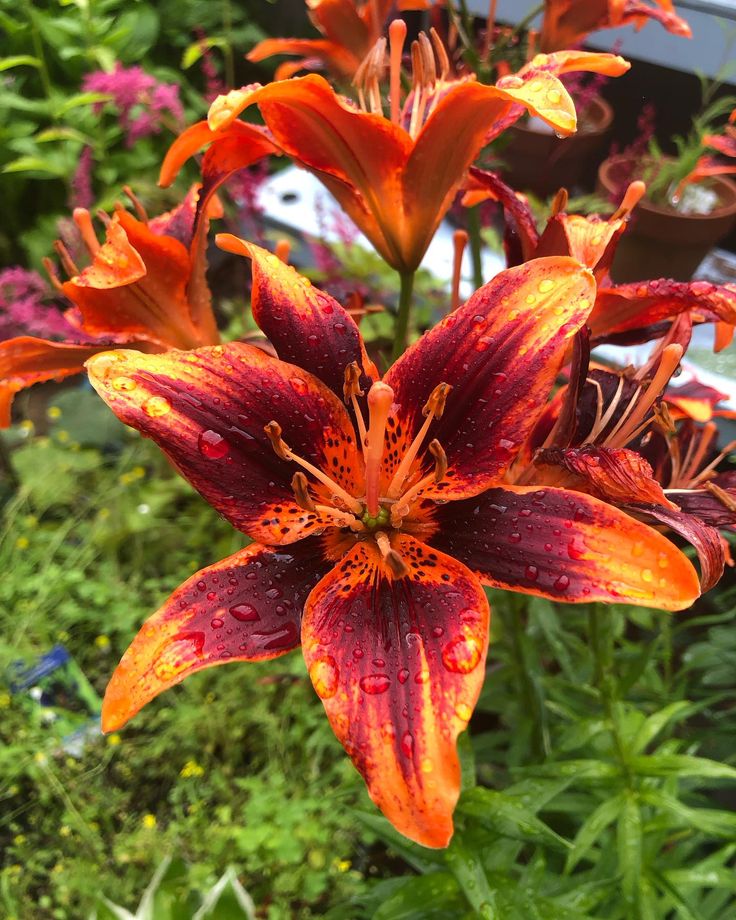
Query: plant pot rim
[[725, 186]]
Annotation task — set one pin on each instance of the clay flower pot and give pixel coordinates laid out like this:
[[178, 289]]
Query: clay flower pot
[[661, 242], [539, 161]]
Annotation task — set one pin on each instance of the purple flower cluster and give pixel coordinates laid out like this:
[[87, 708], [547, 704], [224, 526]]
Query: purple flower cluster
[[142, 102], [23, 310]]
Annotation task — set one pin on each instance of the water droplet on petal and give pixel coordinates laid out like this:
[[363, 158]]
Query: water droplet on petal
[[212, 445], [403, 675], [125, 384], [532, 572], [462, 654], [298, 385], [547, 284], [562, 583], [217, 623], [646, 575], [246, 613], [324, 675], [374, 683], [156, 406], [407, 744]]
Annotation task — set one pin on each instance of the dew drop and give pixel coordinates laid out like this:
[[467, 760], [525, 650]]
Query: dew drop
[[562, 583], [125, 384], [662, 561], [646, 575], [374, 683], [553, 96], [245, 613], [461, 655], [324, 675], [403, 675], [217, 623], [438, 631], [156, 406], [532, 572], [545, 286], [407, 744], [426, 766], [463, 711], [212, 445], [514, 537], [298, 385]]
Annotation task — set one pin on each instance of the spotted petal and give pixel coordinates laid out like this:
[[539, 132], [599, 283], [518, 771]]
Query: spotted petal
[[306, 326], [566, 546], [207, 410], [245, 608], [500, 352], [398, 665]]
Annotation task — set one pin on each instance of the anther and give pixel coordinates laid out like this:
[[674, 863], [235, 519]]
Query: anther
[[396, 565], [52, 273], [351, 386], [440, 459], [723, 497], [136, 202], [280, 447], [300, 485], [103, 217], [435, 405], [83, 221], [441, 53]]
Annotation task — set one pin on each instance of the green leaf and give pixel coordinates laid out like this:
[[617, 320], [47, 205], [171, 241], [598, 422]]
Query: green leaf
[[591, 829], [506, 816], [708, 820], [681, 765], [34, 164], [629, 844], [195, 51], [19, 60], [79, 99], [465, 864], [657, 721], [427, 897], [577, 769], [417, 856]]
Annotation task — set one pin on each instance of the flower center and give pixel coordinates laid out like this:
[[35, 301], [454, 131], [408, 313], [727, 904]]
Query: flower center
[[381, 510]]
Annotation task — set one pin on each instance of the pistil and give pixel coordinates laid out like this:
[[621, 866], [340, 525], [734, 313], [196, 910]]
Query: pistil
[[396, 39], [380, 399]]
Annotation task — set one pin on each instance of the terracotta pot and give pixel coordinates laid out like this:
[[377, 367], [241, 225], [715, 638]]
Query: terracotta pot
[[542, 162], [660, 242]]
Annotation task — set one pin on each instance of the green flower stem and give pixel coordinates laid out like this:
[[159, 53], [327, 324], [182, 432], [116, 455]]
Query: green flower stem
[[526, 667], [401, 329], [601, 640], [476, 245]]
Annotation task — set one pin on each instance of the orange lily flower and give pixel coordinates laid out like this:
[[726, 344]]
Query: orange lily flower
[[709, 165], [568, 22], [395, 177], [379, 509], [349, 29], [144, 287], [623, 313]]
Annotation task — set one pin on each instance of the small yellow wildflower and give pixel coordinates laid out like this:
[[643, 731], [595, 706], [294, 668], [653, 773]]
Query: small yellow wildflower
[[65, 830], [27, 426], [19, 839], [149, 822], [138, 472], [191, 768], [53, 412], [30, 521], [102, 642], [114, 739], [40, 758], [22, 543], [62, 436], [5, 700], [341, 865]]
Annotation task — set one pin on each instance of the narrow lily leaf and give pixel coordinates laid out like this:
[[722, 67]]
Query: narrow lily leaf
[[535, 793], [465, 864], [657, 721], [681, 765], [629, 840], [702, 878], [34, 164], [508, 817], [592, 828], [18, 60], [673, 895], [428, 897], [594, 770], [708, 820]]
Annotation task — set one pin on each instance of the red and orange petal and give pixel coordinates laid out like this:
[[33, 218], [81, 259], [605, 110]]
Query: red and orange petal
[[634, 306], [566, 546], [723, 143], [339, 60], [135, 287], [616, 475], [694, 400], [355, 29], [500, 352], [27, 360], [399, 664], [207, 410], [561, 62], [245, 608], [521, 227], [306, 326], [591, 240]]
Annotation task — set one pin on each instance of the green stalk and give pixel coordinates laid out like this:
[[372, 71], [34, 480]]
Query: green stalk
[[401, 329], [601, 642], [476, 245]]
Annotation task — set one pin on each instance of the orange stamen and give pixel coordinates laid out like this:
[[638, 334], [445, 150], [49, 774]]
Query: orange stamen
[[300, 485], [351, 390], [634, 194], [83, 221], [694, 457], [459, 242], [283, 250], [380, 400], [282, 450], [396, 39], [66, 260], [402, 506], [703, 474], [434, 408], [52, 273], [559, 202], [627, 428], [723, 497], [136, 202]]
